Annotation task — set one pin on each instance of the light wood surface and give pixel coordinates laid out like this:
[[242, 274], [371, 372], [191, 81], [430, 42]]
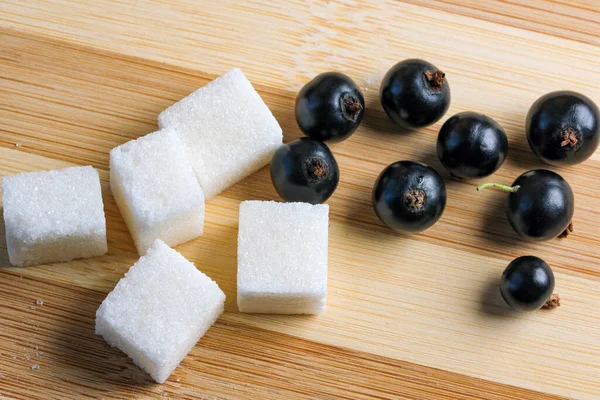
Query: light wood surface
[[409, 317]]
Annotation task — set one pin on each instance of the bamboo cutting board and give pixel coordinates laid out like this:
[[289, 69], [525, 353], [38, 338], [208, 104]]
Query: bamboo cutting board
[[409, 317]]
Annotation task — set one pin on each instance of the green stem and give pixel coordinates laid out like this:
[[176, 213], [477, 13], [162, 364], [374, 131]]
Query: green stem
[[500, 186]]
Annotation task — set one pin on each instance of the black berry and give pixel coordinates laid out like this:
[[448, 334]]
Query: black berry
[[304, 170], [329, 107], [415, 93], [540, 205], [563, 128], [409, 196], [472, 145], [527, 284]]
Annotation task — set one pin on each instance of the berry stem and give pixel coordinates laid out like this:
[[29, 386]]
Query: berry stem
[[505, 188]]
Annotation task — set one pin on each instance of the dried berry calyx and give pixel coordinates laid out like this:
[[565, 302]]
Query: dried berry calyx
[[415, 199], [568, 137], [435, 78], [351, 107], [552, 302]]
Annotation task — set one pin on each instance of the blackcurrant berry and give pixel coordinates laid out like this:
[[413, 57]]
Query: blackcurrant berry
[[563, 128], [540, 205], [415, 93], [472, 145], [304, 170], [329, 107], [409, 196], [527, 284]]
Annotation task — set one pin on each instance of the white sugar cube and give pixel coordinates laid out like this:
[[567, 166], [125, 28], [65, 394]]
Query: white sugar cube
[[54, 216], [157, 192], [227, 130], [159, 310], [282, 257]]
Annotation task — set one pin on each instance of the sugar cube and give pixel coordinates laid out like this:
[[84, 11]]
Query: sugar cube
[[159, 310], [155, 188], [227, 130], [54, 216], [282, 257]]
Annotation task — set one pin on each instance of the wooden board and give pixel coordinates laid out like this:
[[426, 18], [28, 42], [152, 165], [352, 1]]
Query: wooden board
[[409, 317]]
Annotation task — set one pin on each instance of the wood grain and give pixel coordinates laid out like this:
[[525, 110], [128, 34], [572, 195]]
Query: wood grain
[[574, 20], [235, 361], [408, 316]]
